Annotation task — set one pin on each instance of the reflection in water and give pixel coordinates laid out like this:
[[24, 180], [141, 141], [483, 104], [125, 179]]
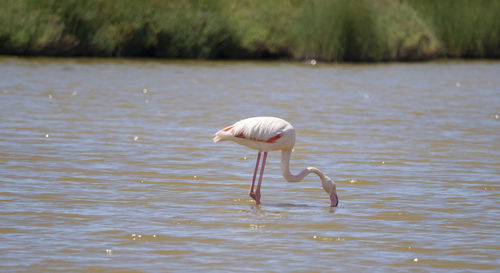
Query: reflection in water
[[108, 165]]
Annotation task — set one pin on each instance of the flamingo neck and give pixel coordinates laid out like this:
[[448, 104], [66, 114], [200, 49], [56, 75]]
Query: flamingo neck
[[327, 183]]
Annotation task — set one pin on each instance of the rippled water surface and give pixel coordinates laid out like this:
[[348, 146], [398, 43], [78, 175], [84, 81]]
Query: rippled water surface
[[109, 166]]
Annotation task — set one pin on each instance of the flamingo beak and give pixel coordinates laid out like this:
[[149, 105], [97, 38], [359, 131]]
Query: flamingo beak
[[334, 199]]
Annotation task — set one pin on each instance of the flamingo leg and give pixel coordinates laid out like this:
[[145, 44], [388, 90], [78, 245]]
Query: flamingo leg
[[257, 191], [251, 193]]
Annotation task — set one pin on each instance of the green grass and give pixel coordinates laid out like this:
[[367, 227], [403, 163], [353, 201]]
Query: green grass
[[328, 30], [337, 31], [465, 28]]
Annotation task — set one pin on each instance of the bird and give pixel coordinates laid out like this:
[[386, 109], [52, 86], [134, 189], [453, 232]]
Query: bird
[[266, 134]]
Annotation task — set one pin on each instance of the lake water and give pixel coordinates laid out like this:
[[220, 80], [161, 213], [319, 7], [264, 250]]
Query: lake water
[[108, 165]]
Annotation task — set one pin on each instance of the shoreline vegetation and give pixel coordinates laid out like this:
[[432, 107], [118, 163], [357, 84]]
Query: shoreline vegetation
[[325, 30]]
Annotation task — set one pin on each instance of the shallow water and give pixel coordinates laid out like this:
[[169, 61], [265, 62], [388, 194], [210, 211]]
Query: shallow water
[[109, 166]]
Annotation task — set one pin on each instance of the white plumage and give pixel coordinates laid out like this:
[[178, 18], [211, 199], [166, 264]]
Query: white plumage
[[260, 133]]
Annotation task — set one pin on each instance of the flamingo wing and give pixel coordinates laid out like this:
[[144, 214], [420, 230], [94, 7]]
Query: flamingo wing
[[260, 133], [261, 129]]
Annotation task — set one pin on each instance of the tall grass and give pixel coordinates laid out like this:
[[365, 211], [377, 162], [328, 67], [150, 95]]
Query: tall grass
[[330, 30], [337, 30], [465, 28], [182, 29]]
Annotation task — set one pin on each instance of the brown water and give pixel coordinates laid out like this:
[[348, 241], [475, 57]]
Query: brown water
[[109, 166]]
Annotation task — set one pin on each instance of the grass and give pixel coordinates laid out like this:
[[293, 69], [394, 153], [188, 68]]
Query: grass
[[465, 28], [328, 30]]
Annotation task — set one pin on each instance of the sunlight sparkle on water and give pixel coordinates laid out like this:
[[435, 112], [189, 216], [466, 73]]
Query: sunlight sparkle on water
[[436, 197]]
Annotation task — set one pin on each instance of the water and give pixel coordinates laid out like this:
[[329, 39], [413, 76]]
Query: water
[[109, 166]]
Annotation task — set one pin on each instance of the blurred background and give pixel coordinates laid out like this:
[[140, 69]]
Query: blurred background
[[327, 30]]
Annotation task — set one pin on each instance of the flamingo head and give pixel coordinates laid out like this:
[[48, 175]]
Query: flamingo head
[[334, 199], [331, 189]]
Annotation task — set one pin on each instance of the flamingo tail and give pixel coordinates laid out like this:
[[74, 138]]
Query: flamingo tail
[[223, 134], [217, 138]]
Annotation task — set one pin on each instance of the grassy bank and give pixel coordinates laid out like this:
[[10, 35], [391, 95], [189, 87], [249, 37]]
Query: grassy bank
[[329, 30]]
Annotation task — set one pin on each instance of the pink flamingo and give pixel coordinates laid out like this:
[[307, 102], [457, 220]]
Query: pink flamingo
[[270, 134]]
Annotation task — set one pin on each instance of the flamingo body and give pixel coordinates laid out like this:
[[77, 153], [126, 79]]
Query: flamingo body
[[269, 134], [260, 133]]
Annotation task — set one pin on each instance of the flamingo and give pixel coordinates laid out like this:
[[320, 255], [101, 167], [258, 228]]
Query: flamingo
[[266, 134]]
